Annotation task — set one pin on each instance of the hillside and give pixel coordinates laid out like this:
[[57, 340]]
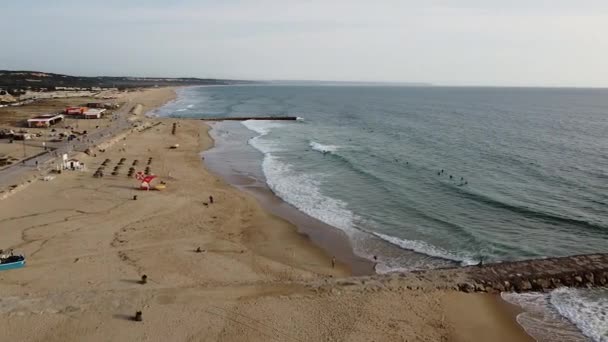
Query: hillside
[[35, 79]]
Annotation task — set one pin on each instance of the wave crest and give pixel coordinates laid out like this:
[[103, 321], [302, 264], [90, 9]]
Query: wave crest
[[587, 309], [323, 148], [426, 248], [304, 192]]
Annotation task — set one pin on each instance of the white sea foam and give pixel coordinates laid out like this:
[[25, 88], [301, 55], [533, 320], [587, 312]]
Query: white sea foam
[[304, 192], [299, 118], [301, 190], [181, 110], [540, 320], [383, 268], [323, 148], [587, 309], [426, 248], [190, 106], [263, 127]]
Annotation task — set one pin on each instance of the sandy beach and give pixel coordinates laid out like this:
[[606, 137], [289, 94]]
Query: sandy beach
[[88, 242]]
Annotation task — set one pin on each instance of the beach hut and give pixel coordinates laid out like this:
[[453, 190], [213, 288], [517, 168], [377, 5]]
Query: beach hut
[[73, 164], [93, 113], [45, 120], [75, 110]]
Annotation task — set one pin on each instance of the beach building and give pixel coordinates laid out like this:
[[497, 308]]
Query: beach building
[[84, 112], [93, 113], [44, 120], [72, 164], [75, 110], [102, 105]]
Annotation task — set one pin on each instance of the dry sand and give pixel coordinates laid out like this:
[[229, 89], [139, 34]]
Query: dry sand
[[88, 242]]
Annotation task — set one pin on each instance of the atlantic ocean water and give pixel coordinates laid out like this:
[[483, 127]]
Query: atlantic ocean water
[[453, 175]]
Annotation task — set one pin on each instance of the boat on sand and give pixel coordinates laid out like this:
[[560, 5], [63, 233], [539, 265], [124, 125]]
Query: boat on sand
[[11, 261]]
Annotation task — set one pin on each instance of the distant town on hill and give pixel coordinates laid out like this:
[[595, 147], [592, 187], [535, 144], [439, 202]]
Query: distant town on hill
[[36, 80]]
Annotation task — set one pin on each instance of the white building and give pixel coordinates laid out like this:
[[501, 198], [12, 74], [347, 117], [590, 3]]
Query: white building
[[93, 113], [44, 120], [71, 164]]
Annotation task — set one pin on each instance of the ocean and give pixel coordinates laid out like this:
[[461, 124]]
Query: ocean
[[424, 177]]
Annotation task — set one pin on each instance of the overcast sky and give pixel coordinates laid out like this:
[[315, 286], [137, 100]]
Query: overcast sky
[[455, 42]]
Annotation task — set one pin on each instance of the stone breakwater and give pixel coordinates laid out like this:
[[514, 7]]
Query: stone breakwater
[[246, 118], [540, 275]]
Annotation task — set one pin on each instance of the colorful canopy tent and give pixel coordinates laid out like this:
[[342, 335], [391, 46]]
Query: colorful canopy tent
[[146, 182]]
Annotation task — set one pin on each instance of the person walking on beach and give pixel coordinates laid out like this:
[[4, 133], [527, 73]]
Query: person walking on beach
[[333, 262]]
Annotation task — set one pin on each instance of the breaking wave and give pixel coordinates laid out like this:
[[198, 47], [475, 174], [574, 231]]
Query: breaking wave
[[304, 192], [427, 249], [301, 190], [585, 308], [323, 148]]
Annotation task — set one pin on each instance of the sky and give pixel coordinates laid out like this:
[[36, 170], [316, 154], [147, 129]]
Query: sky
[[457, 42]]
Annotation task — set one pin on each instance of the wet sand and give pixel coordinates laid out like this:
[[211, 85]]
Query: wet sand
[[333, 241], [88, 242]]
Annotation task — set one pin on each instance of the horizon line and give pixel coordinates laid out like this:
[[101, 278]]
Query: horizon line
[[403, 83]]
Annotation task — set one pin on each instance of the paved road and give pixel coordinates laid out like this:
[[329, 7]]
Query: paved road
[[11, 173]]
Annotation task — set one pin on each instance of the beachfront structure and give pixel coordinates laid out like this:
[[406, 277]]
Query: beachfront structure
[[93, 113], [95, 105], [100, 105], [44, 120], [75, 110], [72, 164], [84, 112]]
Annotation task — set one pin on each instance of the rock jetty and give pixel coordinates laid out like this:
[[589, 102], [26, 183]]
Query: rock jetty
[[536, 275], [542, 275], [245, 118]]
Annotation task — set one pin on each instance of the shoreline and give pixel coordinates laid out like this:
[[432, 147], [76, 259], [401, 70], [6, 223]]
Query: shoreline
[[504, 312], [89, 240], [330, 239]]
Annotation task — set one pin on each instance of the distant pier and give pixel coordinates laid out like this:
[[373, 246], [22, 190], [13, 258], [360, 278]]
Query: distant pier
[[245, 118]]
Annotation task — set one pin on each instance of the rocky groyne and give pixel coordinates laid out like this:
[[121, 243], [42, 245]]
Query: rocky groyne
[[539, 275], [589, 270], [245, 118]]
